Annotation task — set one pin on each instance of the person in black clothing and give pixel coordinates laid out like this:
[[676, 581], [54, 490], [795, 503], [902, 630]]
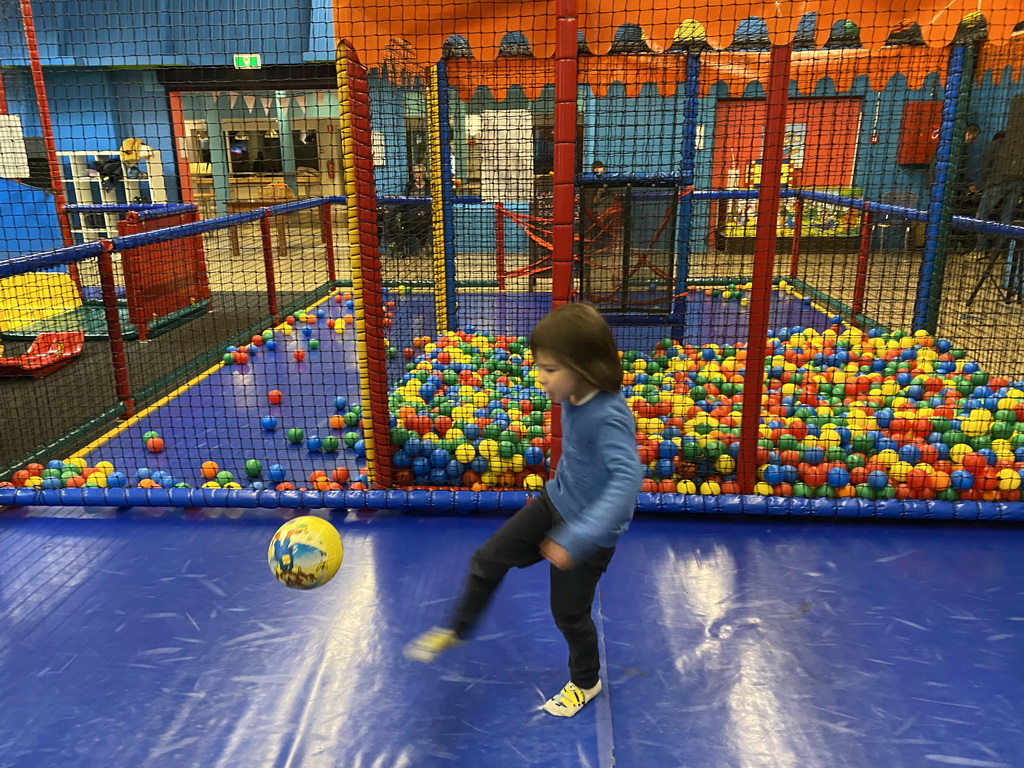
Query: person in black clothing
[[966, 193], [1002, 188], [416, 217]]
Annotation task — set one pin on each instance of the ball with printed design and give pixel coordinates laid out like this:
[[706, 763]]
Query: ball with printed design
[[305, 553]]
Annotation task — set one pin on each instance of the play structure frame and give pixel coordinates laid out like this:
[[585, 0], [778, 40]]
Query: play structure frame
[[361, 206]]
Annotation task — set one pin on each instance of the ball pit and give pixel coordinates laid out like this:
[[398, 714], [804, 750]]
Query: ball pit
[[846, 413]]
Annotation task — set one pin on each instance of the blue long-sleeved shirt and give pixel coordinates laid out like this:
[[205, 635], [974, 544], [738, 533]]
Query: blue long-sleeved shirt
[[598, 475]]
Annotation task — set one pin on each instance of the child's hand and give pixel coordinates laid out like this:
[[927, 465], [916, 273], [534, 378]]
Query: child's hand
[[555, 553]]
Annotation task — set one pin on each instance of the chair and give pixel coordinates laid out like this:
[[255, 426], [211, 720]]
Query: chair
[[889, 224]]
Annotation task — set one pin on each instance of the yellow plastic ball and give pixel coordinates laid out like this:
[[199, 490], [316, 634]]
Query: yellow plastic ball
[[33, 481], [1008, 479], [686, 486], [898, 471], [725, 464], [305, 552], [105, 467], [957, 453], [533, 482]]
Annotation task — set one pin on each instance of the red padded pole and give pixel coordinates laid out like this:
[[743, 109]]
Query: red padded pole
[[764, 262]]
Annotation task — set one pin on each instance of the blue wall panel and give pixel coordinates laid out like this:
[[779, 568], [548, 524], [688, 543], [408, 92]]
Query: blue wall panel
[[168, 32], [28, 219]]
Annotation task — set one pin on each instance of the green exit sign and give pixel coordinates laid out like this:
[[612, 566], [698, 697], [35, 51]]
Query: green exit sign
[[248, 61]]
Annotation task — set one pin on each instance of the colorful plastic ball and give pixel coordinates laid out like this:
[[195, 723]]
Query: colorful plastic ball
[[1008, 480], [296, 435], [253, 467], [276, 472], [961, 480], [877, 479], [228, 358], [340, 475], [224, 477], [155, 444], [299, 355], [269, 423], [314, 344], [838, 477], [340, 403], [329, 444], [336, 421], [147, 436], [275, 396], [305, 553], [533, 482], [210, 469], [314, 444], [307, 331]]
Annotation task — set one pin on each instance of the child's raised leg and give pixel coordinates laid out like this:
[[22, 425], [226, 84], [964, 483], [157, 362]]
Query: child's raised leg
[[515, 545]]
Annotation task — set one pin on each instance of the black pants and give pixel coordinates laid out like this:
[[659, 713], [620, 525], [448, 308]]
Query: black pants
[[516, 545]]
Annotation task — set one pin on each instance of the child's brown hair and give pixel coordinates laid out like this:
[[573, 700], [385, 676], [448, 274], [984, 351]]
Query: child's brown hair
[[580, 339]]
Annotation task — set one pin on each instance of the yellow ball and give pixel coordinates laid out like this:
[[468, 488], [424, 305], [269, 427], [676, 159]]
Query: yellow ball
[[898, 471], [1009, 480], [686, 486], [533, 482], [33, 481], [105, 467], [76, 462], [305, 552]]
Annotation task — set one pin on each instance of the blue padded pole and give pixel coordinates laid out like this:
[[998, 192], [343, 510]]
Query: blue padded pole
[[923, 317], [687, 171], [447, 204]]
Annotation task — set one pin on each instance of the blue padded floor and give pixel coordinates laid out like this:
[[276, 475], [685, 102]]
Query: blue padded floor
[[135, 641]]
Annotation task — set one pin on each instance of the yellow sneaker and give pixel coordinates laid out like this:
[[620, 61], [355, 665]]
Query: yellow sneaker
[[430, 644], [570, 700]]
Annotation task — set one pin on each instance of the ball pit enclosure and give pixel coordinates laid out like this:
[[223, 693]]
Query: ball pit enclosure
[[850, 414], [851, 383]]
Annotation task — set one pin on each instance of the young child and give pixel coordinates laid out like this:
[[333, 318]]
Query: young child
[[577, 519]]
